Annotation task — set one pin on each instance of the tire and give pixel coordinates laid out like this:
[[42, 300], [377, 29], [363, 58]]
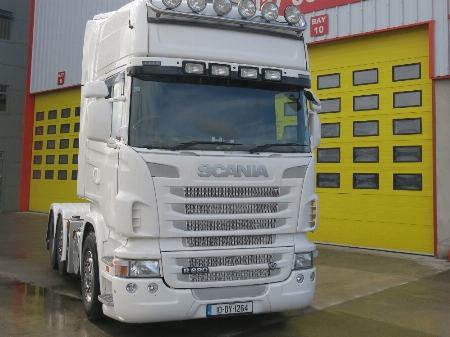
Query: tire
[[52, 241], [90, 285], [59, 247]]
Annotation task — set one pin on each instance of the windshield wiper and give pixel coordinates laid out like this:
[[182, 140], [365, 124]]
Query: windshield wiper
[[189, 144], [266, 146]]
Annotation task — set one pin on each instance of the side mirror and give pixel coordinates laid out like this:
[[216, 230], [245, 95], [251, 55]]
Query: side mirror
[[98, 121], [314, 101], [95, 89], [314, 129]]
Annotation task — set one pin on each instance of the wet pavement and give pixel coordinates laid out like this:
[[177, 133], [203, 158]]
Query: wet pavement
[[359, 293]]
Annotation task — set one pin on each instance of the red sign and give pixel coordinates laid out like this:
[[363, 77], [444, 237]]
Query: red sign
[[61, 77], [318, 25], [306, 6]]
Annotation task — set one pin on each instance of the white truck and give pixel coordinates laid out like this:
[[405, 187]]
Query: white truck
[[196, 161]]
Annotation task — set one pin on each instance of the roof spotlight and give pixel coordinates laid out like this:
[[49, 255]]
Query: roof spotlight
[[197, 5], [222, 7], [292, 14], [269, 11], [171, 4], [247, 9]]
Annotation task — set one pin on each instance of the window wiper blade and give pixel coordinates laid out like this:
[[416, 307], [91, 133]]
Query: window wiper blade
[[192, 143], [266, 146]]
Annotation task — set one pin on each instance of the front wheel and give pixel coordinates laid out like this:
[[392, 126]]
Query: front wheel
[[90, 285]]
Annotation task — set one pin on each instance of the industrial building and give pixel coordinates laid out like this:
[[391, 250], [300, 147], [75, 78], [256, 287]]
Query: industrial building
[[381, 69]]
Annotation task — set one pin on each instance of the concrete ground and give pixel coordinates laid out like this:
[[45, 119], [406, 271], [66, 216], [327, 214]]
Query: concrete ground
[[359, 293]]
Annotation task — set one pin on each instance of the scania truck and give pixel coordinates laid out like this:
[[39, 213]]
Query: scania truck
[[196, 161]]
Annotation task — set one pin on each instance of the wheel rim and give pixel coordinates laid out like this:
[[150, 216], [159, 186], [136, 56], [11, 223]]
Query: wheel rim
[[88, 276]]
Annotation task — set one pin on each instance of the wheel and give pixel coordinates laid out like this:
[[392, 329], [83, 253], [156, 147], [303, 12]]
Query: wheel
[[90, 285], [59, 246], [52, 241]]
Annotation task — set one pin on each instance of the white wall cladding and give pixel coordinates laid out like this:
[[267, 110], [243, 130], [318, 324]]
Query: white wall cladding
[[374, 15], [58, 39]]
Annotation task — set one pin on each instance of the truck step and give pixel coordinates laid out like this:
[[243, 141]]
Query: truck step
[[106, 299]]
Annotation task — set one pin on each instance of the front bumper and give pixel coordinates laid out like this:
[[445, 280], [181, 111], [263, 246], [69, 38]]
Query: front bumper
[[169, 304]]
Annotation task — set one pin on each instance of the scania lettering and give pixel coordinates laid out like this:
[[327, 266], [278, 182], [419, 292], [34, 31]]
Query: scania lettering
[[196, 162]]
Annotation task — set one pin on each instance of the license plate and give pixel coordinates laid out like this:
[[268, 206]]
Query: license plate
[[229, 309]]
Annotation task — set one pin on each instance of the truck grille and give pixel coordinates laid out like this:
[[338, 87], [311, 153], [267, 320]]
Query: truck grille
[[229, 241], [230, 260], [231, 208], [230, 225], [230, 275], [231, 192]]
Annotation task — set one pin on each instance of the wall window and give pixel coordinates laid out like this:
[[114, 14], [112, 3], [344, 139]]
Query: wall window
[[366, 181], [77, 111], [62, 175], [51, 129], [329, 155], [331, 105], [361, 77], [63, 159], [406, 72], [36, 174], [366, 102], [366, 128], [52, 114], [330, 130], [50, 144], [64, 144], [37, 160], [407, 99], [74, 174], [65, 128], [3, 98], [328, 81], [328, 180], [408, 182], [407, 154], [39, 130], [76, 143], [38, 145], [48, 174], [5, 24], [76, 127], [365, 155], [407, 126], [65, 113], [75, 159], [40, 116], [50, 159]]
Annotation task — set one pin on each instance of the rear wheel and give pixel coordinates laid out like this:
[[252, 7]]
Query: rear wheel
[[90, 285], [52, 241], [59, 247]]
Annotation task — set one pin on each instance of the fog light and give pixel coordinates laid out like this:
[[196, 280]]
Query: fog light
[[300, 278], [152, 288], [222, 7], [292, 15], [171, 4], [312, 277], [272, 75], [194, 68], [248, 73], [197, 5], [220, 70], [131, 288], [269, 11], [247, 9]]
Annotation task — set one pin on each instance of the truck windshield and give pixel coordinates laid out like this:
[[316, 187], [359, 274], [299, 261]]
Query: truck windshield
[[175, 112]]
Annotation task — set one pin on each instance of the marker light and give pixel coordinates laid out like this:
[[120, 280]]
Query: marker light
[[247, 9], [272, 75], [251, 73], [194, 68], [171, 4], [131, 288], [269, 11], [197, 5], [222, 7], [292, 14], [220, 70]]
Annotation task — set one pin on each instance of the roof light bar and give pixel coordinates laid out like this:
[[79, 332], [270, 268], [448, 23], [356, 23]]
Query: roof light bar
[[269, 11]]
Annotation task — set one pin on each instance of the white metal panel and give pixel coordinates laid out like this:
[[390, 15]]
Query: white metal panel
[[58, 39], [374, 15]]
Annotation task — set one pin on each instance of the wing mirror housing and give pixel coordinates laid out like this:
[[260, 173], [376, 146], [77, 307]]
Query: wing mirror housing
[[99, 112], [314, 129], [314, 101]]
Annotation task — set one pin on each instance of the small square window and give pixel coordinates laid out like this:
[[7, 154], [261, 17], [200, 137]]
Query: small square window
[[65, 128], [49, 174], [40, 116], [39, 130], [38, 145], [65, 113], [328, 180], [361, 77], [63, 143], [365, 155], [331, 105], [406, 72], [407, 99], [328, 155], [50, 159], [76, 127], [407, 126], [365, 181], [77, 111], [328, 81], [408, 182], [36, 174], [407, 154], [330, 130], [37, 160], [366, 102], [51, 129], [365, 128], [62, 175], [52, 114], [74, 174], [5, 24], [50, 144], [76, 142], [75, 159], [63, 159]]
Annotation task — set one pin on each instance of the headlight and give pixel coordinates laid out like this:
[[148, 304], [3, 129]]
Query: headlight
[[269, 11], [292, 14], [136, 268], [222, 7], [247, 9], [194, 68], [171, 4], [272, 75], [303, 260], [251, 73], [220, 70], [197, 5]]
